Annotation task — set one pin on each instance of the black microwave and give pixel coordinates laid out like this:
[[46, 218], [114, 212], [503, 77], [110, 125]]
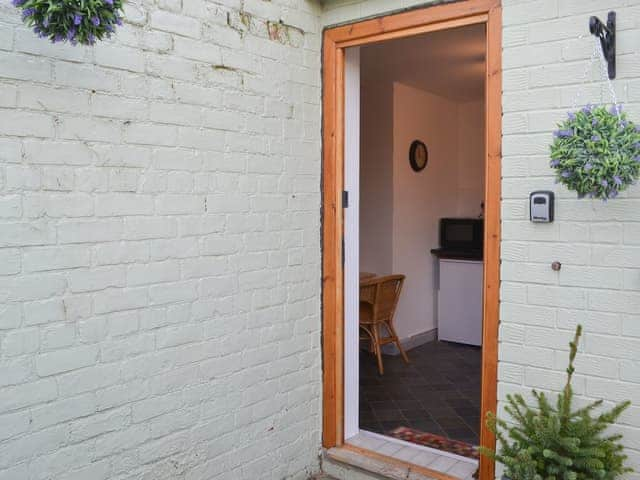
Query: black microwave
[[461, 233]]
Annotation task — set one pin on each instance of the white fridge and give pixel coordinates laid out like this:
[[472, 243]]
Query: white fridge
[[460, 301]]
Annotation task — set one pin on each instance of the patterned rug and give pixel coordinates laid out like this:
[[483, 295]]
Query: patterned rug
[[435, 441]]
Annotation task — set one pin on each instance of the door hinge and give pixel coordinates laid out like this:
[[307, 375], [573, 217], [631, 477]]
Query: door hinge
[[345, 199]]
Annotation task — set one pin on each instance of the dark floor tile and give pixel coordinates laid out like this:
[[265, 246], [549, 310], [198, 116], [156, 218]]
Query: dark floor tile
[[461, 432], [457, 402], [367, 417], [450, 422], [372, 427], [391, 425], [469, 412], [408, 404], [381, 404], [441, 384], [428, 426], [416, 414], [390, 415]]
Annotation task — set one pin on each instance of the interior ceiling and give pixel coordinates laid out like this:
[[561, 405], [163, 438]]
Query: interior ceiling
[[450, 63]]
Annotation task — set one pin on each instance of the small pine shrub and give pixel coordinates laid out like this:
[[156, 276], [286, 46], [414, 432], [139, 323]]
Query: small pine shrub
[[556, 442]]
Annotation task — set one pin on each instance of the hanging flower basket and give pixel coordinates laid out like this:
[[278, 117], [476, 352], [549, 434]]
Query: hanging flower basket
[[596, 152], [74, 21]]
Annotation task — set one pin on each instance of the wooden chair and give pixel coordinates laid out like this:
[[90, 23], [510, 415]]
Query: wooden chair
[[378, 300]]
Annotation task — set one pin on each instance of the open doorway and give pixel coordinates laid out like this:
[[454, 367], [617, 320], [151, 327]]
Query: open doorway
[[343, 47], [414, 234], [422, 131]]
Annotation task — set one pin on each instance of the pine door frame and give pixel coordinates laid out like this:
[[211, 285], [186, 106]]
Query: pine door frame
[[335, 40]]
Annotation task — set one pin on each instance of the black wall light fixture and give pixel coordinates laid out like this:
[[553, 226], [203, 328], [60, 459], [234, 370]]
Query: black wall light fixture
[[607, 35]]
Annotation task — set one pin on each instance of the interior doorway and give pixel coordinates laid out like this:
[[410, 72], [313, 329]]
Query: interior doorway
[[414, 178], [417, 224], [421, 197]]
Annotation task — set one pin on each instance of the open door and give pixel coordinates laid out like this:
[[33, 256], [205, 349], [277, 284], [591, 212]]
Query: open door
[[351, 208], [341, 155]]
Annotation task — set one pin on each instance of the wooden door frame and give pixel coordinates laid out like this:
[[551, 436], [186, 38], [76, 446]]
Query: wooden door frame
[[335, 40]]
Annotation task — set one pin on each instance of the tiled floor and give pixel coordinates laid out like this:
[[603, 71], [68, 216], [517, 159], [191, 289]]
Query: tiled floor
[[454, 465], [439, 392]]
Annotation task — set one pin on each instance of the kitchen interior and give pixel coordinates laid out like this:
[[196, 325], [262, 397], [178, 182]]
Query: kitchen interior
[[421, 238]]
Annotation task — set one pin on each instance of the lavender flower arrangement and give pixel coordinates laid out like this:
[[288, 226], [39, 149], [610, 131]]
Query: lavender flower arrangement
[[596, 152], [74, 21]]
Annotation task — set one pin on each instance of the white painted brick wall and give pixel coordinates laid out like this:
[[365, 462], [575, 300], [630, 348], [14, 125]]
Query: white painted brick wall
[[159, 282], [599, 284]]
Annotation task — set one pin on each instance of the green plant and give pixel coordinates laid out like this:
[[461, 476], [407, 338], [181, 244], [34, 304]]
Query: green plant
[[75, 21], [549, 442], [596, 152]]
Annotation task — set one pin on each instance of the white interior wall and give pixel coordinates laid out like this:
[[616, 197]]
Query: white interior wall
[[400, 208], [471, 147], [376, 177], [421, 198]]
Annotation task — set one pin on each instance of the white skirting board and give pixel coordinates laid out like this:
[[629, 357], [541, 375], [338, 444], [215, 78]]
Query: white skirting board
[[411, 342]]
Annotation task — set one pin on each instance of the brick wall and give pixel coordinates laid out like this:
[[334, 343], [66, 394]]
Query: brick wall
[[598, 243], [159, 246], [159, 240]]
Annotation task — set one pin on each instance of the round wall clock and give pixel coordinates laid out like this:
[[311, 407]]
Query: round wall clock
[[418, 155]]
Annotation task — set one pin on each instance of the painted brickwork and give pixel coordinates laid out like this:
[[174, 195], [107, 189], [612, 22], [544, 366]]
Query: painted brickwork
[[159, 246], [159, 240], [598, 244]]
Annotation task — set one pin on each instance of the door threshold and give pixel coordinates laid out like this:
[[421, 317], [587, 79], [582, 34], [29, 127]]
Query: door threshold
[[395, 458]]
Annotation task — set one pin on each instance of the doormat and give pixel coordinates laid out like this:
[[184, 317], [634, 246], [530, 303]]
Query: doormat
[[435, 441]]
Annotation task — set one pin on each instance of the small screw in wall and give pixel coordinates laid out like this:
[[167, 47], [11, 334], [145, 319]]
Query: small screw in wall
[[556, 266]]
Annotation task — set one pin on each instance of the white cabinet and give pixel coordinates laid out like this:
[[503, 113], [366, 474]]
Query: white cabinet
[[460, 301]]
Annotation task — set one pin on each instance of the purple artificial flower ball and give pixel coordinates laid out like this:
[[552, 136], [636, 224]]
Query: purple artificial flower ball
[[613, 194], [108, 2], [588, 166], [566, 174], [637, 158], [587, 108], [594, 122], [615, 109], [564, 133], [17, 3], [617, 180], [595, 138], [71, 33], [554, 163], [95, 21], [571, 115], [27, 12], [77, 19], [91, 39], [604, 183]]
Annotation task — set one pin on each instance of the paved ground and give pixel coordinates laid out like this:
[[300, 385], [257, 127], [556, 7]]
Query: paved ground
[[439, 392]]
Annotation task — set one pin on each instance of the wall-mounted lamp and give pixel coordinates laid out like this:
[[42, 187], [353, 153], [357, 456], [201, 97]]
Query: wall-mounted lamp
[[607, 35]]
